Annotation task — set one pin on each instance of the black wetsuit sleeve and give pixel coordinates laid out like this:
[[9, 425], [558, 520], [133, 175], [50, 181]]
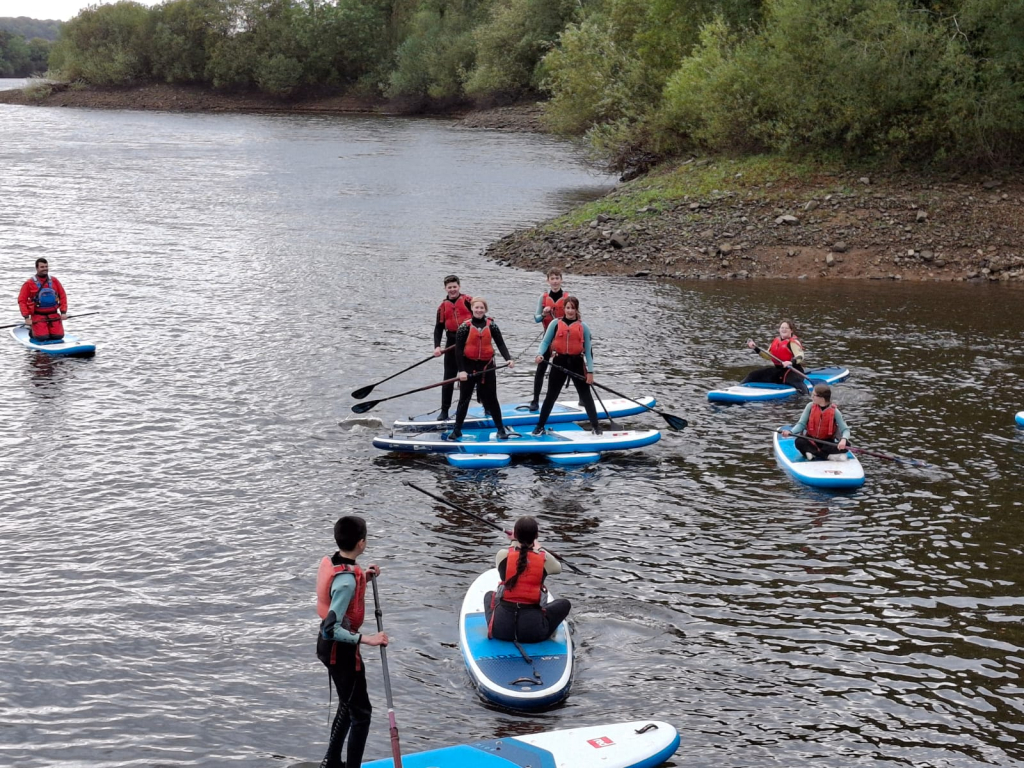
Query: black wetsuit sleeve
[[460, 343], [438, 333], [499, 341]]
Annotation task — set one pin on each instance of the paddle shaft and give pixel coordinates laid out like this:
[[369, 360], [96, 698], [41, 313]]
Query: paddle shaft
[[673, 421], [362, 392], [369, 404], [66, 317], [773, 357], [485, 521], [396, 751]]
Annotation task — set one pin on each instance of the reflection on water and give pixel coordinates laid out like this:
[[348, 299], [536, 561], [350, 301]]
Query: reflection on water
[[166, 502]]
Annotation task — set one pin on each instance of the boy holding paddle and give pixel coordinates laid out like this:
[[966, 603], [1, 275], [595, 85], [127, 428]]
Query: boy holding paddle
[[453, 311], [340, 602], [550, 307]]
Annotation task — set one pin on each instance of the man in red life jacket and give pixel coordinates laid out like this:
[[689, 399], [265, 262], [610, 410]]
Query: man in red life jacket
[[453, 311], [44, 304], [823, 421], [341, 592]]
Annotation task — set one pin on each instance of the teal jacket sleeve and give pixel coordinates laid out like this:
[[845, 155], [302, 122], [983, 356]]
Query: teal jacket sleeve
[[841, 428], [586, 347], [801, 425], [343, 589], [549, 336], [538, 316]]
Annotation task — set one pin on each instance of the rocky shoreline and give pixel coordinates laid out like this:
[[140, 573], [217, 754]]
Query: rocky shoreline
[[836, 227], [819, 225]]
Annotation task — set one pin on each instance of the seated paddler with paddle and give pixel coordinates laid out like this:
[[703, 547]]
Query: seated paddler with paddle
[[44, 304], [515, 611], [568, 338], [474, 353], [786, 354], [823, 421]]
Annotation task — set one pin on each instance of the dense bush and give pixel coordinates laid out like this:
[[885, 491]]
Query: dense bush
[[20, 57], [105, 45]]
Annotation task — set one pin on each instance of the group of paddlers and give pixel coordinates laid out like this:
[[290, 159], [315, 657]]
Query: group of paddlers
[[470, 338]]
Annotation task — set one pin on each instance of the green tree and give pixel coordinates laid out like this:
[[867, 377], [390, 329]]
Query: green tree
[[183, 32], [104, 45]]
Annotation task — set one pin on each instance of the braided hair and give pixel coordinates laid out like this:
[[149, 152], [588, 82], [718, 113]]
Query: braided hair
[[525, 532]]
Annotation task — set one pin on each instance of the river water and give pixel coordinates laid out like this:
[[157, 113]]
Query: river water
[[163, 506]]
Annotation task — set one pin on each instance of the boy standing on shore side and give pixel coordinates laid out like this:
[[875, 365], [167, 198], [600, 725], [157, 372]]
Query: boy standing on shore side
[[454, 310], [550, 307]]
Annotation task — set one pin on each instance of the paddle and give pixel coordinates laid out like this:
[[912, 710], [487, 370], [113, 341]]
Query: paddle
[[797, 371], [370, 404], [69, 317], [866, 452], [396, 752], [604, 407], [485, 521], [362, 392], [674, 422]]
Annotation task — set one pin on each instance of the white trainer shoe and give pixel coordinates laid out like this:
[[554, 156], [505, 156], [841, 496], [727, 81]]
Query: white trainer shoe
[[837, 457]]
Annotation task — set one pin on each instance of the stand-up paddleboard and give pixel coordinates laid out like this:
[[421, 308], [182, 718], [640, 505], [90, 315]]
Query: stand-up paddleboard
[[501, 675], [479, 460], [568, 438], [69, 346], [519, 414], [640, 744], [754, 392], [818, 473], [573, 459], [1019, 418]]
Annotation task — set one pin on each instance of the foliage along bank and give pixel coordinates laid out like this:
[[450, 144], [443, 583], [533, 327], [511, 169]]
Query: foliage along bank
[[901, 82]]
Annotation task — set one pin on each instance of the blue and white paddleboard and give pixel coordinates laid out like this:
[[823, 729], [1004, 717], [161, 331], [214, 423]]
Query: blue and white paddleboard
[[752, 393], [640, 744], [519, 414], [567, 438], [1019, 418], [479, 460], [818, 473], [573, 459], [69, 346], [501, 675]]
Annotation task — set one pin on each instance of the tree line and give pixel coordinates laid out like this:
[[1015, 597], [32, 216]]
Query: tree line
[[25, 45], [899, 81]]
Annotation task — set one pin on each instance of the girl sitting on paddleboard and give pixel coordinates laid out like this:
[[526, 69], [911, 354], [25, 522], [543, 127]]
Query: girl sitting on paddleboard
[[789, 356], [515, 612], [569, 340], [823, 421], [474, 353]]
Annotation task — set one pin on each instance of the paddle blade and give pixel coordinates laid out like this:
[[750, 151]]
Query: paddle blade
[[362, 392], [364, 407], [675, 422]]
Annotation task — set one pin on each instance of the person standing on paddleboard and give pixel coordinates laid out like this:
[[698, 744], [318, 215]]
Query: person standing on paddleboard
[[44, 304], [822, 420], [550, 307], [790, 353], [454, 310], [569, 339], [340, 603], [514, 612], [474, 350]]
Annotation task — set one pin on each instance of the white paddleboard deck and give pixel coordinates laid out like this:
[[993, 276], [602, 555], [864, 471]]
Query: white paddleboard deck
[[69, 346], [818, 473]]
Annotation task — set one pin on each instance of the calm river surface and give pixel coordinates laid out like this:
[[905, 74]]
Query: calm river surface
[[163, 506]]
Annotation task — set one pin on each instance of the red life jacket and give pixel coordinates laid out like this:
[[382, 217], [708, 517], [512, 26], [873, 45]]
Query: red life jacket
[[822, 422], [557, 308], [568, 338], [528, 586], [781, 349], [353, 618], [478, 342], [455, 313]]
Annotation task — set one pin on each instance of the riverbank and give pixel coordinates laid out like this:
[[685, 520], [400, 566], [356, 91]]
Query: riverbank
[[702, 218], [183, 98], [761, 217]]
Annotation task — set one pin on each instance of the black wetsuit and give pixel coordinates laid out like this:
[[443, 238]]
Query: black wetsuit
[[486, 384], [525, 623], [538, 377], [450, 364]]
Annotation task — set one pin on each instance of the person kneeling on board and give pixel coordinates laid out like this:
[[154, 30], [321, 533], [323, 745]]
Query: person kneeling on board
[[43, 304], [821, 420], [569, 339], [340, 602], [514, 612], [474, 352]]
